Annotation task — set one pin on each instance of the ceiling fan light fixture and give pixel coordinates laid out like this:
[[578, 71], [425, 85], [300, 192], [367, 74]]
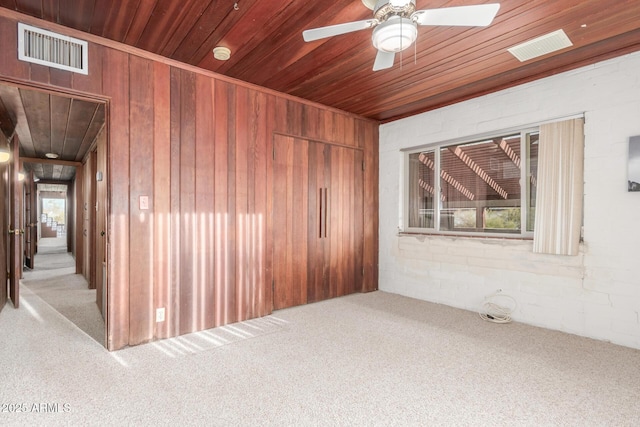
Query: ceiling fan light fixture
[[221, 53], [51, 156], [369, 4], [395, 35]]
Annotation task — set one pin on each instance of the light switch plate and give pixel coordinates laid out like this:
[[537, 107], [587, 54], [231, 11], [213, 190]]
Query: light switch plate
[[160, 314], [144, 202]]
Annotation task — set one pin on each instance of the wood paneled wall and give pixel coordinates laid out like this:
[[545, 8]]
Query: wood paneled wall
[[199, 147]]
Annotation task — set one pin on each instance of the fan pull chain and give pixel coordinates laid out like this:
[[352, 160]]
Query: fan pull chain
[[401, 50]]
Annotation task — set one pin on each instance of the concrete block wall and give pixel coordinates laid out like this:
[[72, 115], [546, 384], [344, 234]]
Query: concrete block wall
[[595, 294]]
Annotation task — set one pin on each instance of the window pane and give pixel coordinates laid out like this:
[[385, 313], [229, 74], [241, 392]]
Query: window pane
[[482, 176], [532, 178], [421, 189], [502, 219]]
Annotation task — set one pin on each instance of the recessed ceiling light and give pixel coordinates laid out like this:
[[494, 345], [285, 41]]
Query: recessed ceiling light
[[221, 53], [51, 156]]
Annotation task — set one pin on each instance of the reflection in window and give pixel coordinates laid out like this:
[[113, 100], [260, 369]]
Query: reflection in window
[[479, 187]]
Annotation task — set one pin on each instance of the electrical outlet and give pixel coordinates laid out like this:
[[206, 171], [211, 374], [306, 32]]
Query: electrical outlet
[[160, 314]]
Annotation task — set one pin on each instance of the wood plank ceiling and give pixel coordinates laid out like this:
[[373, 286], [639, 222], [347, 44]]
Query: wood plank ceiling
[[450, 63], [447, 64], [48, 123]]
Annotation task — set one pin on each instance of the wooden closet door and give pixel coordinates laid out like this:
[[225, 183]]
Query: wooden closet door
[[317, 221], [290, 221], [343, 249], [317, 233]]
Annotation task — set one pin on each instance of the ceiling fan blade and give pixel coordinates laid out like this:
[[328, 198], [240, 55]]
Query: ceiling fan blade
[[464, 16], [384, 60], [336, 30]]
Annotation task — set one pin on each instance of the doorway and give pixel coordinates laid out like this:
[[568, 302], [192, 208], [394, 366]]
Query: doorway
[[59, 143]]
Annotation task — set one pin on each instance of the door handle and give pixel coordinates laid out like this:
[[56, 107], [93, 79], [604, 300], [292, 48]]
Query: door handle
[[102, 233], [326, 209], [16, 232], [321, 216]]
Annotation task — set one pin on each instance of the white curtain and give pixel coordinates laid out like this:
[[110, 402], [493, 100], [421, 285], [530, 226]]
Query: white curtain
[[560, 188]]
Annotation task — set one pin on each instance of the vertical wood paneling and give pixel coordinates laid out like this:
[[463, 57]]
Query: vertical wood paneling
[[282, 157], [39, 73], [9, 64], [242, 200], [188, 289], [366, 136], [220, 188], [231, 220], [87, 215], [202, 150], [261, 156], [79, 224], [334, 224], [101, 218], [60, 78], [116, 86], [173, 309], [315, 278], [162, 194], [290, 195], [141, 277], [205, 184], [358, 219], [270, 124]]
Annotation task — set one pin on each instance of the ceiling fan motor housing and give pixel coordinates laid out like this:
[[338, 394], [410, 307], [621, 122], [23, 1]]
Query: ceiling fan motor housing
[[388, 8], [394, 35]]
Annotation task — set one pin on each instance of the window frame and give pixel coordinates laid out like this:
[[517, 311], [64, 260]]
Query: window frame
[[436, 148]]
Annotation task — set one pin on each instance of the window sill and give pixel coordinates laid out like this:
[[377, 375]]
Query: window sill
[[464, 235]]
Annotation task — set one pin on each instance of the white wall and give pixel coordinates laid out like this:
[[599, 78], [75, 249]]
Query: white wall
[[595, 294]]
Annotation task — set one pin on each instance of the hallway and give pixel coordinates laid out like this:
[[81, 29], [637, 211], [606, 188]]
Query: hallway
[[54, 281]]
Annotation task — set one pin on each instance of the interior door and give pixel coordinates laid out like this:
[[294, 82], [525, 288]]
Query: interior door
[[4, 225], [31, 222], [15, 229]]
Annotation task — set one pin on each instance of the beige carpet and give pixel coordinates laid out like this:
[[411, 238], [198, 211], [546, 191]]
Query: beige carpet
[[55, 282], [366, 359]]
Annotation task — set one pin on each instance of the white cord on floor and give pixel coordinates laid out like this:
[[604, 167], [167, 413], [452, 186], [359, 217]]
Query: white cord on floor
[[492, 312]]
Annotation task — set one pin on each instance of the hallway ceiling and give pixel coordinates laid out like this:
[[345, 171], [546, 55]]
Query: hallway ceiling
[[48, 123], [449, 64]]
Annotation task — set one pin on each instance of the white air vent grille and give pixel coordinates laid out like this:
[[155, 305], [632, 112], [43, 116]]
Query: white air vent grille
[[51, 49], [541, 46]]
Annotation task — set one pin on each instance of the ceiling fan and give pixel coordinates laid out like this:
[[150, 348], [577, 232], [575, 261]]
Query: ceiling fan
[[396, 25]]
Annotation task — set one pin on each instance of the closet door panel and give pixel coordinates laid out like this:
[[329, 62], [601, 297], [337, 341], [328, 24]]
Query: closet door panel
[[344, 247], [290, 221], [317, 288]]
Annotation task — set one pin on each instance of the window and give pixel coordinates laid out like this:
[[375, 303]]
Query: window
[[482, 186]]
